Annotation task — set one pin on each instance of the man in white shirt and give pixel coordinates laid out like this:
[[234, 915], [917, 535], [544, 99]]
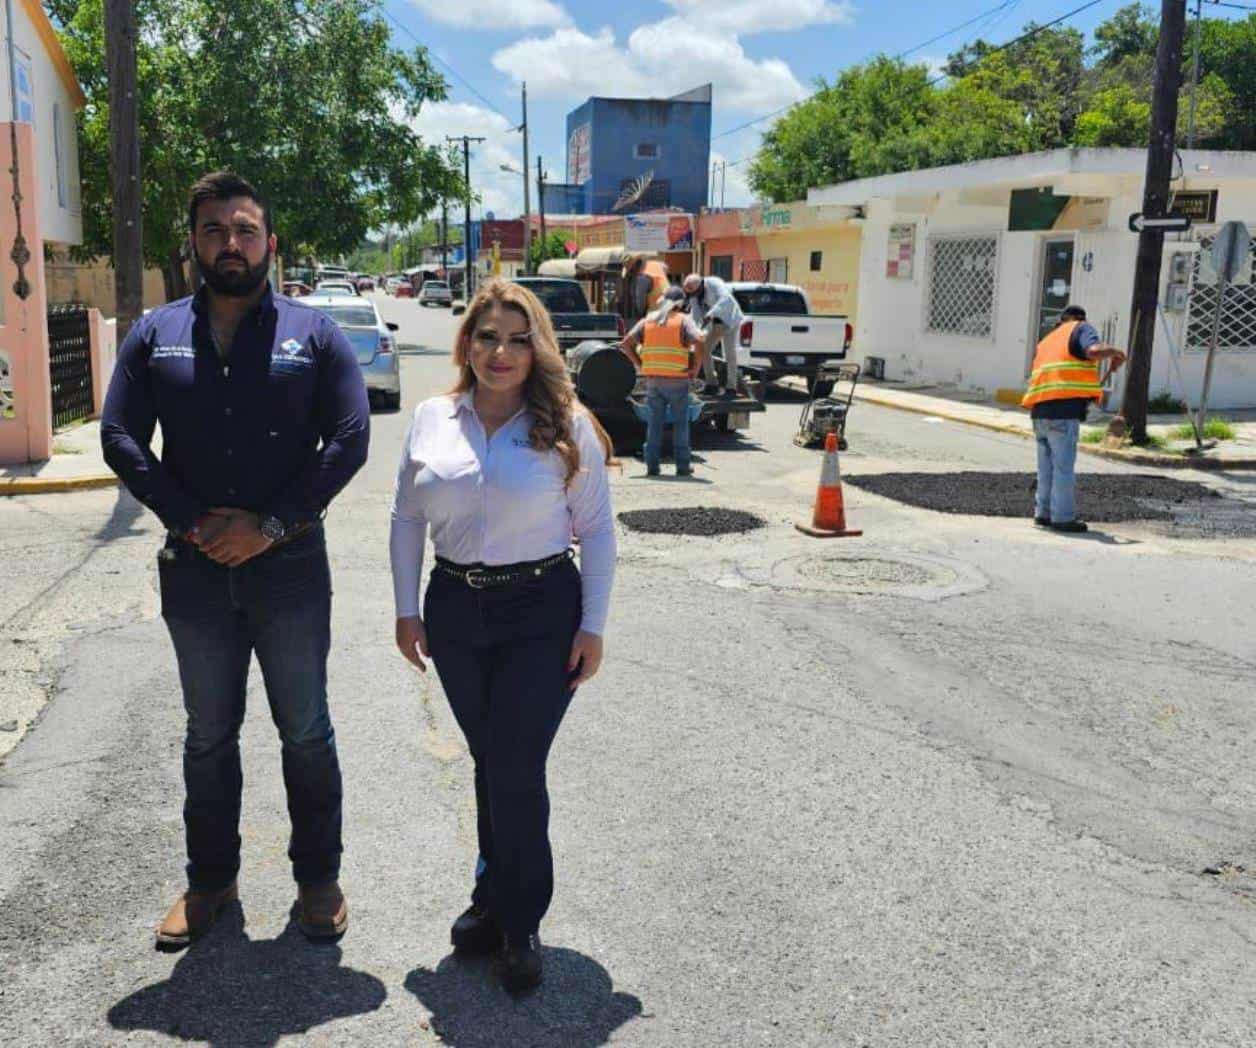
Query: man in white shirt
[[711, 303]]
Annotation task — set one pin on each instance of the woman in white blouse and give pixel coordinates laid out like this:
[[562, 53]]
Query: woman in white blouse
[[505, 470]]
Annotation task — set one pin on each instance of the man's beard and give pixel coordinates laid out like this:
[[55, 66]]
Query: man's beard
[[234, 283]]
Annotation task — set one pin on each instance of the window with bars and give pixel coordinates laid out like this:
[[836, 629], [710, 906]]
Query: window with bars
[[722, 266], [1238, 307], [962, 275]]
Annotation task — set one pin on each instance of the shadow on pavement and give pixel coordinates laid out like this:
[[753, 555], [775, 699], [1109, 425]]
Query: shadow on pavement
[[576, 1006], [228, 989], [121, 523]]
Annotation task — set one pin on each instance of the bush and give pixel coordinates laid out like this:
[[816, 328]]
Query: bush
[[1092, 435], [1165, 403]]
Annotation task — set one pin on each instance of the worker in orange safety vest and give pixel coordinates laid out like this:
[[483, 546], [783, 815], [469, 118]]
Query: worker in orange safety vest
[[667, 347], [1063, 381]]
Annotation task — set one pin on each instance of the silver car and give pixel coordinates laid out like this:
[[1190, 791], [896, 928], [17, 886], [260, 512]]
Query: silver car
[[372, 340], [437, 292]]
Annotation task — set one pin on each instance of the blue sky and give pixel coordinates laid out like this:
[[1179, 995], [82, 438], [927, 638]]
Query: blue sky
[[760, 55]]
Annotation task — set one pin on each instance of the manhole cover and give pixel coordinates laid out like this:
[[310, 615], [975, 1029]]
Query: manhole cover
[[898, 575], [1101, 497], [868, 571], [691, 520]]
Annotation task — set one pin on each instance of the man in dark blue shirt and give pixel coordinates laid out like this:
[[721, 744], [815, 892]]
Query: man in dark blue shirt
[[264, 419]]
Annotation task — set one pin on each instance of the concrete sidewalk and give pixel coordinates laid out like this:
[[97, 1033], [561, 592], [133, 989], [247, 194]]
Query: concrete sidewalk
[[955, 406], [77, 464]]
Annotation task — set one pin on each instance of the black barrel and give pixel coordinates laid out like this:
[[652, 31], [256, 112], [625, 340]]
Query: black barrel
[[603, 375]]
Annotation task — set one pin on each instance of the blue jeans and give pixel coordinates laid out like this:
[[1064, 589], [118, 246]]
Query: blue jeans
[[1057, 453], [278, 605], [502, 659], [660, 394]]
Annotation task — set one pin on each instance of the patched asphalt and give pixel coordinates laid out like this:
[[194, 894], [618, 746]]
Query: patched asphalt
[[691, 520], [1105, 498]]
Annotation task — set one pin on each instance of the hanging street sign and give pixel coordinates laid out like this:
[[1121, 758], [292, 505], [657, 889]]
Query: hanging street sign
[[1167, 223]]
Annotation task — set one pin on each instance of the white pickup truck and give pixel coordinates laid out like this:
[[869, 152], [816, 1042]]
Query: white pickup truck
[[781, 336]]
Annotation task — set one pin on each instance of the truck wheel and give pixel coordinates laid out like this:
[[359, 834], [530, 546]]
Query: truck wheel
[[820, 387]]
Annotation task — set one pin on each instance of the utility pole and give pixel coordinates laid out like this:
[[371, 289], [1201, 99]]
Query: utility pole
[[540, 198], [1190, 125], [1160, 152], [124, 157], [723, 178], [444, 237], [469, 262], [527, 210]]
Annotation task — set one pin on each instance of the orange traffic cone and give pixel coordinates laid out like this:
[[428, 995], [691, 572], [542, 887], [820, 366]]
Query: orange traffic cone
[[829, 519]]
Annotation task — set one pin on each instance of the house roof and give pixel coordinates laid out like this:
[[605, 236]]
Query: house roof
[[1030, 169], [60, 61]]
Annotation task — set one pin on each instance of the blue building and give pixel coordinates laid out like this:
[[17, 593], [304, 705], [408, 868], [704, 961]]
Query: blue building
[[635, 154]]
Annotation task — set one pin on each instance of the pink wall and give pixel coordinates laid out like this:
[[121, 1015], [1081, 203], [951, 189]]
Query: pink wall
[[104, 353], [27, 436]]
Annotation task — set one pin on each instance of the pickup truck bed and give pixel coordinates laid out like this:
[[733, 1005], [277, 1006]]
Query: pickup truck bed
[[781, 336], [569, 312]]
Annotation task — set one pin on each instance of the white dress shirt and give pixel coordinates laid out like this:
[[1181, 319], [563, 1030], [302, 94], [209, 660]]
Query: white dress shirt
[[716, 302], [495, 500]]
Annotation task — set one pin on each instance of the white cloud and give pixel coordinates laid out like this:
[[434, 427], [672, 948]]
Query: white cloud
[[494, 14], [755, 16], [659, 59], [499, 191]]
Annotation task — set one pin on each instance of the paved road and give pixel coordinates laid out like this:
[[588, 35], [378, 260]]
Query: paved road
[[954, 783]]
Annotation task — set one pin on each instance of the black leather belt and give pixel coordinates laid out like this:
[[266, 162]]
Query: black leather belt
[[483, 576]]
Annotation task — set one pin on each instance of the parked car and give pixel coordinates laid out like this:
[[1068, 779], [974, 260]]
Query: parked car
[[568, 308], [391, 285], [335, 287], [404, 289], [365, 284], [296, 288], [372, 340], [781, 336], [435, 292]]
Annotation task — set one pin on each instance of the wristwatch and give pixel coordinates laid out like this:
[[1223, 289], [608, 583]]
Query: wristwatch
[[273, 528]]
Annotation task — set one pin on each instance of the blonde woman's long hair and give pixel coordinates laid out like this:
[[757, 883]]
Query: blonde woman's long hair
[[548, 392]]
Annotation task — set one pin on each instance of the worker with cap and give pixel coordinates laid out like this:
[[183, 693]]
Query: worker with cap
[[710, 301], [667, 347], [1062, 383]]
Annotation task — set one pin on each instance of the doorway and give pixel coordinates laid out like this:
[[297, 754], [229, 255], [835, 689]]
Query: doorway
[[1056, 285]]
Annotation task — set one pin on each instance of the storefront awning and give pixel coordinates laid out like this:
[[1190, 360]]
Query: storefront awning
[[557, 267]]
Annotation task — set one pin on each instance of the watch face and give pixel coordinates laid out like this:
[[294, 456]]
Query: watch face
[[272, 528]]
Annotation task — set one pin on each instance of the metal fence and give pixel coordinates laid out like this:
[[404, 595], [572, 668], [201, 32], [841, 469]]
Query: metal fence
[[70, 364], [755, 269], [1238, 307]]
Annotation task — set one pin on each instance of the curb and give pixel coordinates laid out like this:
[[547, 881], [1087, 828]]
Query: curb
[[1133, 458], [38, 486]]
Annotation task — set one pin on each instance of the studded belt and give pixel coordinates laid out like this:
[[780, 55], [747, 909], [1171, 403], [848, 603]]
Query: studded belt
[[481, 576]]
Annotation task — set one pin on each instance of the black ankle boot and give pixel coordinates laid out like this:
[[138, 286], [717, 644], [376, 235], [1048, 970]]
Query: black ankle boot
[[521, 962], [475, 931]]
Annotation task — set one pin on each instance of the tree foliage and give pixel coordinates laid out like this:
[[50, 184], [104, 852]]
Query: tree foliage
[[552, 245], [308, 99], [1044, 92]]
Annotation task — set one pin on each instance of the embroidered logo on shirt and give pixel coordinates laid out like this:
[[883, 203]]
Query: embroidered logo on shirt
[[520, 442], [290, 356], [291, 348], [168, 352]]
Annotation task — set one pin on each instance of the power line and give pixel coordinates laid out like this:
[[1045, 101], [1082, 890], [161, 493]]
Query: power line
[[457, 76], [956, 29], [993, 51], [1236, 7]]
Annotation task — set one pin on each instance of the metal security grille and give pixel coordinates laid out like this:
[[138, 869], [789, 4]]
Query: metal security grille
[[756, 270], [962, 272], [1238, 307], [70, 364]]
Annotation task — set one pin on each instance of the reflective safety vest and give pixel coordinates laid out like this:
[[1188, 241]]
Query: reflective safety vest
[[1058, 375], [657, 272], [663, 351]]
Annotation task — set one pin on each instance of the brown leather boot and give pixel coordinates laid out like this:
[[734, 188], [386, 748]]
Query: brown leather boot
[[192, 915], [321, 911]]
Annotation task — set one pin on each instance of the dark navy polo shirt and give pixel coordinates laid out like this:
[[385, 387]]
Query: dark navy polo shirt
[[278, 428]]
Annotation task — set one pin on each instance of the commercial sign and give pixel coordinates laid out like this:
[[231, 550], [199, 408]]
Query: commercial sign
[[580, 154], [901, 251], [1199, 205], [658, 231]]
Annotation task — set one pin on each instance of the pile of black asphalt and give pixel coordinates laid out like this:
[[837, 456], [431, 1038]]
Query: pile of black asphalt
[[691, 520], [1103, 497]]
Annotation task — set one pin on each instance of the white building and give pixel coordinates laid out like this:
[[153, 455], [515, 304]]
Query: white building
[[48, 96], [963, 268]]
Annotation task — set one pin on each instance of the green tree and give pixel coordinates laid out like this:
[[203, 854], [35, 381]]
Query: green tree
[[552, 245], [306, 98]]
